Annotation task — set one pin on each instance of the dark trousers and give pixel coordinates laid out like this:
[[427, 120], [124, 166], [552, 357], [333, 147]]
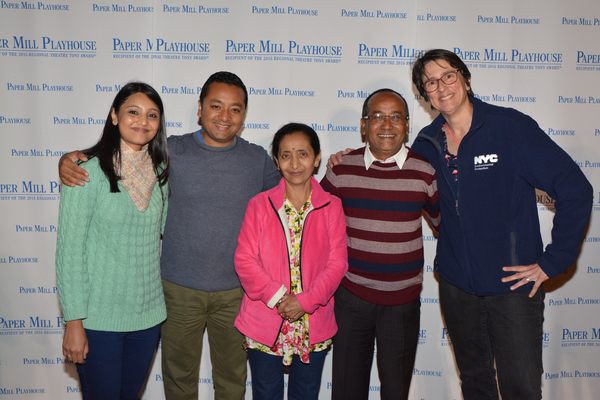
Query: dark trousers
[[117, 363], [505, 328], [267, 376], [360, 324]]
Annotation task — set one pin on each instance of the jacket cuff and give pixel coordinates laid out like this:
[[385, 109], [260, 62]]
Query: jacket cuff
[[278, 295]]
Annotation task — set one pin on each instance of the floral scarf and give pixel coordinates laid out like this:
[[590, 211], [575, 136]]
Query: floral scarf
[[137, 174]]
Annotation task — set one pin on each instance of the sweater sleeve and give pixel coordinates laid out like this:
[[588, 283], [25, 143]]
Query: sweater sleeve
[[165, 196], [544, 165], [321, 289], [75, 214], [432, 207], [271, 176], [329, 182]]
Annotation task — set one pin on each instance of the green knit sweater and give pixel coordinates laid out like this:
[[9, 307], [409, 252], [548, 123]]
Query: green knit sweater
[[107, 256]]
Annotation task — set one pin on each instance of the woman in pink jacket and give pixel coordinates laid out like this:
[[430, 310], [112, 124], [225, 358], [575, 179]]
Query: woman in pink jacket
[[291, 257]]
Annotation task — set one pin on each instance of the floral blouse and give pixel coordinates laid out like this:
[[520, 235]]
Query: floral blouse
[[293, 337]]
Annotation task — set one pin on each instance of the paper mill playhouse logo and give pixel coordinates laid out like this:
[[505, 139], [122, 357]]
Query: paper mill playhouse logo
[[160, 49], [30, 190], [518, 59], [283, 51], [47, 46]]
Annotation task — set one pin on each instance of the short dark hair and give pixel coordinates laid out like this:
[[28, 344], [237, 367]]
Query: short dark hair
[[439, 54], [224, 77], [108, 147], [294, 127], [365, 108]]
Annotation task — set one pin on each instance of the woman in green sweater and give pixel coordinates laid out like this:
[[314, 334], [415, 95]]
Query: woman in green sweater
[[107, 252]]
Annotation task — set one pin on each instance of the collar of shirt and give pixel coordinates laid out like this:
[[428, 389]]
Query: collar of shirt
[[199, 134], [399, 157]]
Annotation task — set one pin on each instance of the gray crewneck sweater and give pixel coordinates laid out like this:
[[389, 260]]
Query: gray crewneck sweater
[[210, 189]]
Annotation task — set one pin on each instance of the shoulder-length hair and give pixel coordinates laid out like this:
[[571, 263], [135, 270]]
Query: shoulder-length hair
[[451, 58], [108, 148]]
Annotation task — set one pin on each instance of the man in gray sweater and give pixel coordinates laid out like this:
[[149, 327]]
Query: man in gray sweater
[[213, 175]]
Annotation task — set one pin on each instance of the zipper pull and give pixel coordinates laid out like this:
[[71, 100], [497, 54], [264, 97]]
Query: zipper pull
[[457, 207]]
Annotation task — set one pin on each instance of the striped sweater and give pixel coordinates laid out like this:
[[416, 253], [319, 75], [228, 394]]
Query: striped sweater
[[383, 216]]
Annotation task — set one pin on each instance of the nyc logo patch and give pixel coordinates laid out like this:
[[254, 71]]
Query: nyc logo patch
[[485, 161]]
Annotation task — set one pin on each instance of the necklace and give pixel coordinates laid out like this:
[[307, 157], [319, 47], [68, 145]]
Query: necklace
[[451, 135]]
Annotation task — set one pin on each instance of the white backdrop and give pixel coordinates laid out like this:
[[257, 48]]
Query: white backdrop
[[62, 62]]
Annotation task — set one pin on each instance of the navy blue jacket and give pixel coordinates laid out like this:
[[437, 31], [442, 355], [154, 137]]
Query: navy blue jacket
[[491, 220]]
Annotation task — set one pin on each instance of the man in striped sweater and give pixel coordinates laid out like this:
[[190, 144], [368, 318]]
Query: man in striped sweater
[[383, 187]]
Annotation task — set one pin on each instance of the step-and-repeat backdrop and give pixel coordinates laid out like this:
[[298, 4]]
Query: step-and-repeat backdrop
[[62, 62]]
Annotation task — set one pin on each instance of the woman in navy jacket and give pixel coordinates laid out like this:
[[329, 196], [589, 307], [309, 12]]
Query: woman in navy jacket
[[490, 255]]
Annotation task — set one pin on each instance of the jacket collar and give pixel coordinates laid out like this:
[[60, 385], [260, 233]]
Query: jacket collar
[[478, 119], [478, 114], [319, 197]]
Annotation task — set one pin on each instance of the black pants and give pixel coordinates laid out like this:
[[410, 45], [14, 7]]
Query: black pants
[[506, 329], [360, 324]]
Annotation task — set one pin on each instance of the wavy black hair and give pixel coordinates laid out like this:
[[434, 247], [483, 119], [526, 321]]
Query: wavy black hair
[[108, 147]]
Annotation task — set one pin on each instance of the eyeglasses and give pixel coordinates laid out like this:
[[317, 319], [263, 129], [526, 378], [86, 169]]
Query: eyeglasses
[[448, 78], [378, 119]]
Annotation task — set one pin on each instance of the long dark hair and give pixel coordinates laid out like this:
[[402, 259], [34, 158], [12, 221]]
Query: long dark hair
[[108, 147]]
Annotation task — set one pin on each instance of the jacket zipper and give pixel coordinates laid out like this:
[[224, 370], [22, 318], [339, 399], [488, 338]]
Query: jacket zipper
[[436, 145], [288, 255], [302, 242]]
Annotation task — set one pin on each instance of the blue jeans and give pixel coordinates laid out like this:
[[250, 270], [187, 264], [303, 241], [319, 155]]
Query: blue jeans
[[505, 328], [267, 376], [117, 363]]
